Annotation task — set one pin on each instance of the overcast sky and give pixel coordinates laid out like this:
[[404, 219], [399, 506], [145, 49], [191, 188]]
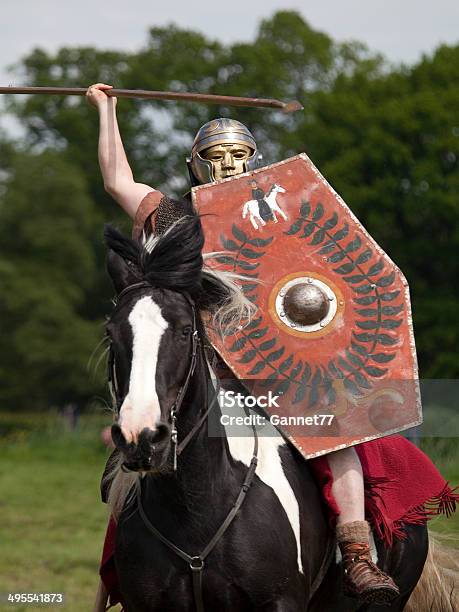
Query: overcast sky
[[401, 29]]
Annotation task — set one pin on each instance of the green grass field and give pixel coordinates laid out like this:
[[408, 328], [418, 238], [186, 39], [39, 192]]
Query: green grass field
[[52, 519]]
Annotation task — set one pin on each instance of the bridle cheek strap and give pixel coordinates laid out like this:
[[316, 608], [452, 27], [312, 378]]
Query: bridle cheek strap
[[196, 343]]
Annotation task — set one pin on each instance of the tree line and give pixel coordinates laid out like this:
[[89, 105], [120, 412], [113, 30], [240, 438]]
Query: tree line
[[386, 137]]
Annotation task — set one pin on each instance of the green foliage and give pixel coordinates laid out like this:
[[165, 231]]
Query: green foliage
[[386, 138], [47, 270]]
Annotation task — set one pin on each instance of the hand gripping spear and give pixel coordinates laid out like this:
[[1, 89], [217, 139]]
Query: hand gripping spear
[[286, 107]]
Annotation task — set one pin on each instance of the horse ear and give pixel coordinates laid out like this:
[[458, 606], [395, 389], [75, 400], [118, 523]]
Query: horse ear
[[123, 273], [122, 258]]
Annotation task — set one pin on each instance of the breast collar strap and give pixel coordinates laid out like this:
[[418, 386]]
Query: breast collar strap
[[196, 562]]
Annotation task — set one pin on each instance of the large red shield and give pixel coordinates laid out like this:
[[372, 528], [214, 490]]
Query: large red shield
[[333, 331]]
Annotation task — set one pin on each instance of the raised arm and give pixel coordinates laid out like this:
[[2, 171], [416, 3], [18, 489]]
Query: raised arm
[[116, 172]]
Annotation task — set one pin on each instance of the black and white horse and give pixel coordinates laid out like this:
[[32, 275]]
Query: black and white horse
[[180, 544]]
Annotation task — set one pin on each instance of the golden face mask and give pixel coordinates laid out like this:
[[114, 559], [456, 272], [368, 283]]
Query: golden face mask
[[221, 148], [227, 159]]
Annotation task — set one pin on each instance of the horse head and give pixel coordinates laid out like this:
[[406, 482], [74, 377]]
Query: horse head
[[157, 335]]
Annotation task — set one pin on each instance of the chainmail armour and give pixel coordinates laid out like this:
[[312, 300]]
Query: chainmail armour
[[170, 211]]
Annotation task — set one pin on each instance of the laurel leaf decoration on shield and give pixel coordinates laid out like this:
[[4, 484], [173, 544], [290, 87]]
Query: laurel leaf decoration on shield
[[305, 209], [370, 279], [270, 353]]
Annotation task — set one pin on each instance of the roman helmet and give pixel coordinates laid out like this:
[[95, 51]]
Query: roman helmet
[[217, 132]]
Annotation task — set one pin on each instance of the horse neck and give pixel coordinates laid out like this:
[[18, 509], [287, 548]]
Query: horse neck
[[206, 447]]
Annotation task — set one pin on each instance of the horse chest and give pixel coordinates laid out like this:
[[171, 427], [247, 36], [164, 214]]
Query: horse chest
[[254, 562], [232, 580]]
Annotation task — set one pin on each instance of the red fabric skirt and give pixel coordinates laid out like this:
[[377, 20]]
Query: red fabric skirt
[[402, 486]]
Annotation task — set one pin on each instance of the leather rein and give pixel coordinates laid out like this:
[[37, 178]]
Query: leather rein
[[195, 562]]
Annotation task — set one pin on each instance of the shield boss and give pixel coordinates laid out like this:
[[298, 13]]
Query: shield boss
[[306, 304]]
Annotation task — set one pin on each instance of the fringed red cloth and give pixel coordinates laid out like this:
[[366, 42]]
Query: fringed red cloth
[[402, 486]]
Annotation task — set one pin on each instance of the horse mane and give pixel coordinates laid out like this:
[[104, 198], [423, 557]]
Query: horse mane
[[122, 487], [174, 260]]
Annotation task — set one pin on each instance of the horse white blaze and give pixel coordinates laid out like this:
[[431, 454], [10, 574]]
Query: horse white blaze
[[141, 408]]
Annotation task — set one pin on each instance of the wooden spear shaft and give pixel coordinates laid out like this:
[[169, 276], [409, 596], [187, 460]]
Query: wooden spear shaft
[[286, 107]]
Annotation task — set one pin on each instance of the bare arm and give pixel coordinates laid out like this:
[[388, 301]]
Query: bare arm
[[116, 172]]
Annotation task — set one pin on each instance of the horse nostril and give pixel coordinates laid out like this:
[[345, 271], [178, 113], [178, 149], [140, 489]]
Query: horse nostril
[[153, 440], [162, 432]]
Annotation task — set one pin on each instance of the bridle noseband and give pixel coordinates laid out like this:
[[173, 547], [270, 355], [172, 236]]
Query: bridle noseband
[[195, 346]]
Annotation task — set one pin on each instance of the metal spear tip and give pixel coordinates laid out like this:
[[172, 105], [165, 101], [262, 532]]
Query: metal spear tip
[[291, 107]]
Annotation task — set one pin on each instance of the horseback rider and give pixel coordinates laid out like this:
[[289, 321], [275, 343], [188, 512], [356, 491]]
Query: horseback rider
[[224, 148], [263, 207]]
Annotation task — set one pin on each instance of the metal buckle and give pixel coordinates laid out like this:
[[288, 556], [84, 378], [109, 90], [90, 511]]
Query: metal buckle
[[174, 438]]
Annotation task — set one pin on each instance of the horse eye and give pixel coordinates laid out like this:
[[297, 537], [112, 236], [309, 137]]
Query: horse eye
[[186, 331]]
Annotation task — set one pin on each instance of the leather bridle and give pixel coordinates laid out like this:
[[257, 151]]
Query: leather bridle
[[195, 562], [178, 448]]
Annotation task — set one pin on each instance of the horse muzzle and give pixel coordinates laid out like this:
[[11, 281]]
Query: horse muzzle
[[151, 451]]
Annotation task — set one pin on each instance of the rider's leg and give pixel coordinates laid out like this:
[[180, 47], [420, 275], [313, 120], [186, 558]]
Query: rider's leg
[[362, 577], [347, 486]]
